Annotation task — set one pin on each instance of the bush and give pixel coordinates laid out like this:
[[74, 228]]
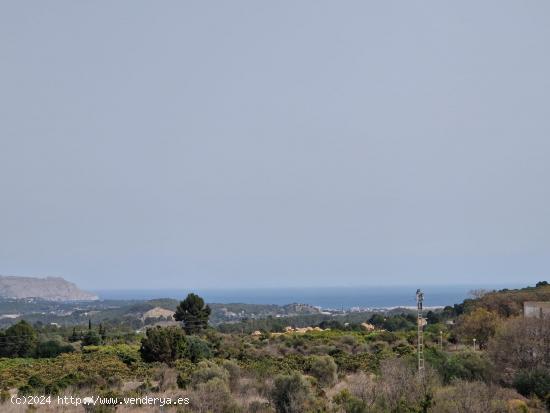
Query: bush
[[91, 338], [324, 369], [472, 397], [350, 403], [466, 366], [349, 340], [387, 336], [128, 354], [4, 395], [534, 382], [291, 393], [403, 349], [196, 349], [207, 371], [234, 373], [163, 344], [379, 347], [52, 348], [35, 385], [213, 396]]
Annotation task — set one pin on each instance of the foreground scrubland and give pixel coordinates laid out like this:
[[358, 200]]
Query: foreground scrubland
[[341, 369]]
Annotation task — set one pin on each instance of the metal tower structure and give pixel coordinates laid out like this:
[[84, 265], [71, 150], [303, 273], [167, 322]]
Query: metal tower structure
[[420, 327]]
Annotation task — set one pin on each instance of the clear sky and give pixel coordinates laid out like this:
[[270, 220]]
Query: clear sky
[[252, 143]]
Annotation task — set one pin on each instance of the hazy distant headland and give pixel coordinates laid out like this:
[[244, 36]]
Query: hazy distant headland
[[49, 288]]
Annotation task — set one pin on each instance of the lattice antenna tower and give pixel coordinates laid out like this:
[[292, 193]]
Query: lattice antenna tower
[[420, 327]]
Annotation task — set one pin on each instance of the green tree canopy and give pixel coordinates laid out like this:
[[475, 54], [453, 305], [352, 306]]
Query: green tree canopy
[[193, 313], [91, 338], [163, 344], [479, 324], [19, 340]]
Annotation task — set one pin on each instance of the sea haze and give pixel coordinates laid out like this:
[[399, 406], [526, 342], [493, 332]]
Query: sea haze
[[325, 297]]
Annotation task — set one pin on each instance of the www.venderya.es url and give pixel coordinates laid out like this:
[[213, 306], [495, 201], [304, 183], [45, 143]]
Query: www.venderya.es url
[[97, 400]]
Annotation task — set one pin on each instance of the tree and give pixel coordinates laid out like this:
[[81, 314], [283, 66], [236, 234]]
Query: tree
[[91, 338], [19, 340], [520, 344], [193, 314], [433, 318], [74, 336], [480, 324], [476, 294], [377, 320], [163, 344]]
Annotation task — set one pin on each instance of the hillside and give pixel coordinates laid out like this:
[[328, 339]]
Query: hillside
[[136, 313], [49, 288], [507, 302]]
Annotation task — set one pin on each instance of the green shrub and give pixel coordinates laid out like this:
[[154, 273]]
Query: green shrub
[[379, 347], [25, 390], [52, 348], [291, 393], [324, 369], [52, 388], [127, 353], [163, 344], [348, 340], [350, 403], [467, 366], [91, 338], [207, 371], [197, 349], [4, 395], [213, 396], [387, 336], [234, 373], [35, 386], [79, 368], [534, 382], [403, 349]]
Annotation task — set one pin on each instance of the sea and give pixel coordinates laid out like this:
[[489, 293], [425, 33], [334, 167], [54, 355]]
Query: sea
[[346, 298]]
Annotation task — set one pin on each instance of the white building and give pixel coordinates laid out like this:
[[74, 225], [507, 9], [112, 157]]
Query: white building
[[536, 309]]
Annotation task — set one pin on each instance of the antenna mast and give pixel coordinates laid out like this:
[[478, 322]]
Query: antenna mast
[[420, 327]]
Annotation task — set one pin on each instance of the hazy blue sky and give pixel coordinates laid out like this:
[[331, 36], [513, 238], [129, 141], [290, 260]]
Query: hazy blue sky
[[254, 143]]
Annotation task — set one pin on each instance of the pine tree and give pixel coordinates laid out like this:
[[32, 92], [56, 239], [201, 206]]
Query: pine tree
[[193, 313]]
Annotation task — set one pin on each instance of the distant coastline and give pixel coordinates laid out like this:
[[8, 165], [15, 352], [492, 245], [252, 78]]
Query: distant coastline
[[324, 297]]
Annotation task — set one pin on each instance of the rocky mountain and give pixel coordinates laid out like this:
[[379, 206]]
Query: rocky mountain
[[49, 288]]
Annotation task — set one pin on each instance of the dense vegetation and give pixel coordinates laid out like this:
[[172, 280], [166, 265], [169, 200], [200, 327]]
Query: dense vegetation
[[339, 367]]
